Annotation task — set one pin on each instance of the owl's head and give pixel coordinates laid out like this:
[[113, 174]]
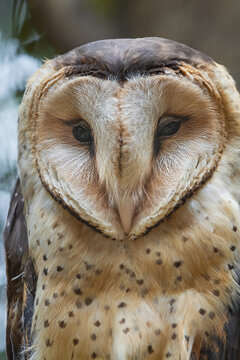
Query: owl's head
[[122, 132]]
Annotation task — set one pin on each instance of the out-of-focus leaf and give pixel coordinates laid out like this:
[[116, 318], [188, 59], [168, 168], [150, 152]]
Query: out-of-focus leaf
[[107, 8], [23, 28], [19, 16]]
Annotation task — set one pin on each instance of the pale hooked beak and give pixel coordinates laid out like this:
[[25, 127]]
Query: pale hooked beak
[[126, 208]]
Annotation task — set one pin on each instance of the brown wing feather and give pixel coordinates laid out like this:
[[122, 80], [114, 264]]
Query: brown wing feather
[[21, 277], [229, 349]]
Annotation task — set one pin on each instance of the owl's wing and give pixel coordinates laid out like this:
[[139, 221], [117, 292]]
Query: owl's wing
[[21, 279], [229, 349]]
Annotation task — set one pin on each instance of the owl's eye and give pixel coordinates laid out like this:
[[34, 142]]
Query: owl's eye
[[82, 134], [168, 125], [170, 129]]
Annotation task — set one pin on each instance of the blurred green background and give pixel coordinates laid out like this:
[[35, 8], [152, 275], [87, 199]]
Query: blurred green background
[[33, 30]]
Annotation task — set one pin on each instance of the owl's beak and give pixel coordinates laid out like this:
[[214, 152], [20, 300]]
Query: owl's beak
[[126, 208]]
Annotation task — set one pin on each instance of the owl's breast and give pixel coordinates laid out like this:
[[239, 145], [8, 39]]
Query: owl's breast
[[157, 297], [88, 311]]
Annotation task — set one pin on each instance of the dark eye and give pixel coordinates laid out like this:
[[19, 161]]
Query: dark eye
[[170, 129], [168, 125], [82, 134]]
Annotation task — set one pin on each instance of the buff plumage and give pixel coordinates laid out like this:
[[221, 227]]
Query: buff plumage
[[132, 252]]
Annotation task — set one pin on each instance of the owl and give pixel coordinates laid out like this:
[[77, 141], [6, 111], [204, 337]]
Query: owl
[[122, 239]]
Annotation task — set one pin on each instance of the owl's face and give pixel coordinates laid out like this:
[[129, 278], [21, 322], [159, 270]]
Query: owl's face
[[123, 156]]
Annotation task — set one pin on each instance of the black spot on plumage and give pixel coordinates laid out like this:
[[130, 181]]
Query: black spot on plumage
[[150, 349], [78, 291], [48, 343], [93, 336], [232, 247], [88, 266], [88, 301], [62, 324], [75, 341], [216, 292], [211, 315], [177, 264], [202, 311], [122, 304], [46, 323]]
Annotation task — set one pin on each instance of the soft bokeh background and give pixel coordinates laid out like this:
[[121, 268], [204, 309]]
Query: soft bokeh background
[[33, 30]]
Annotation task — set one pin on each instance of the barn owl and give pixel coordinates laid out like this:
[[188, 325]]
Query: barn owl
[[122, 240]]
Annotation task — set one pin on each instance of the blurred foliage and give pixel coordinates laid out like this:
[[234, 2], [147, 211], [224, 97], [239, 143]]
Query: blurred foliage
[[8, 179], [23, 28], [107, 8], [2, 356]]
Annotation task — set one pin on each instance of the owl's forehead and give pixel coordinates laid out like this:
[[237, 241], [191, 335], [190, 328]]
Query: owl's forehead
[[121, 58], [105, 80], [101, 100]]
